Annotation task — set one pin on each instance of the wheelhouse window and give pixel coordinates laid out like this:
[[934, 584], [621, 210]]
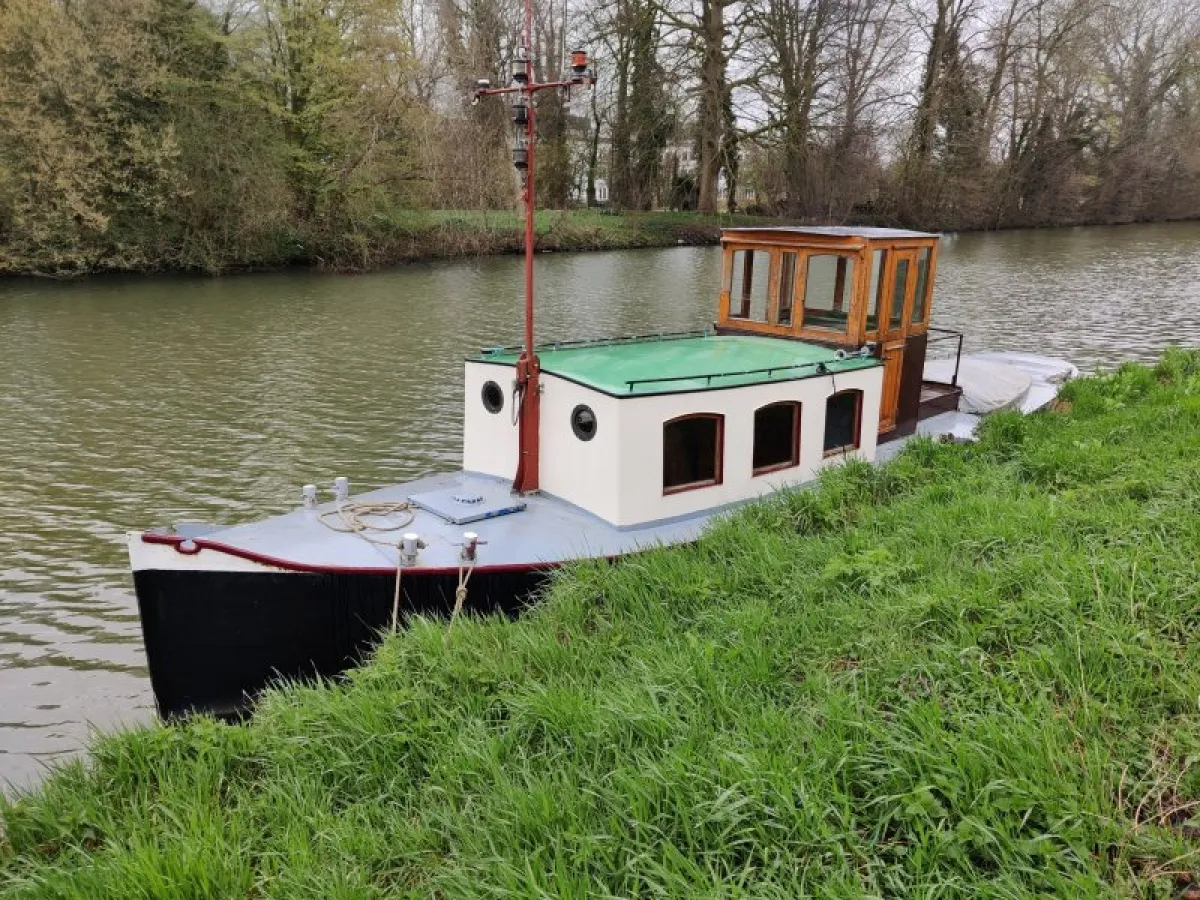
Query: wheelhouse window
[[843, 422], [776, 437], [827, 292], [878, 261], [921, 298], [692, 452], [751, 278], [899, 292], [787, 288]]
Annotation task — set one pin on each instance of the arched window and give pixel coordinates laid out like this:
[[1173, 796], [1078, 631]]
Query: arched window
[[693, 451], [776, 437], [843, 422]]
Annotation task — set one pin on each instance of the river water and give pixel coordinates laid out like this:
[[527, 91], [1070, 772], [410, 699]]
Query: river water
[[126, 403]]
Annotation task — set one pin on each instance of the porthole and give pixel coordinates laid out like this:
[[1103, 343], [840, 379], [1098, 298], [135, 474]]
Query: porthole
[[493, 397], [583, 422]]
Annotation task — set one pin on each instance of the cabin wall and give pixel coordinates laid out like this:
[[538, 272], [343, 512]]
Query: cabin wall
[[489, 439], [641, 497], [618, 474], [585, 473]]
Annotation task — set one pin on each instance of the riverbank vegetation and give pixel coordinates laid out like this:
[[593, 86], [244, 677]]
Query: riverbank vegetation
[[971, 672], [168, 134]]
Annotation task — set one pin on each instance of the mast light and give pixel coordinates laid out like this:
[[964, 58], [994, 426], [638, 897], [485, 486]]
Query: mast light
[[520, 111], [520, 67]]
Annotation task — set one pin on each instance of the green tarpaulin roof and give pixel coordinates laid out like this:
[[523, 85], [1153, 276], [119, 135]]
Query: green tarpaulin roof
[[645, 366]]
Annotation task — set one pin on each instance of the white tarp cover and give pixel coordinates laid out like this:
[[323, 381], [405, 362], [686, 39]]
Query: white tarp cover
[[986, 385], [1044, 369]]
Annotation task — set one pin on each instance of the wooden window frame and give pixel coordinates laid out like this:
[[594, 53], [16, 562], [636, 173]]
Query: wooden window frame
[[719, 463], [797, 412], [770, 273], [858, 410], [925, 301], [899, 331], [777, 298], [854, 260], [852, 251], [872, 333], [859, 251]]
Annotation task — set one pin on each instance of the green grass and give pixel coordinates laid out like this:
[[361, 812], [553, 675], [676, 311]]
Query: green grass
[[970, 673]]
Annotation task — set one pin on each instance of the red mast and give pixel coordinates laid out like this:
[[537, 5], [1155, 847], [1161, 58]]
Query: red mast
[[527, 395]]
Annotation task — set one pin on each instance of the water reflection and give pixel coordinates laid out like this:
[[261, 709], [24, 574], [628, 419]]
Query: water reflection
[[130, 402]]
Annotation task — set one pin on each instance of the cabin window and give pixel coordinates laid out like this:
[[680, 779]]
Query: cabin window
[[899, 291], [878, 261], [776, 437], [787, 288], [492, 396], [921, 298], [583, 422], [692, 452], [748, 288], [827, 292], [843, 422]]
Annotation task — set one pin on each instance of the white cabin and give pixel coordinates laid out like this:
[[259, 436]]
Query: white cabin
[[817, 355], [644, 430]]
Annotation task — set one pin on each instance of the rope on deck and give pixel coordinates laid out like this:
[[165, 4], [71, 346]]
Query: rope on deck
[[355, 518]]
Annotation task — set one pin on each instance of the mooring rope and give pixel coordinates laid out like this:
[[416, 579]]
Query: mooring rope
[[356, 518], [396, 596], [460, 593]]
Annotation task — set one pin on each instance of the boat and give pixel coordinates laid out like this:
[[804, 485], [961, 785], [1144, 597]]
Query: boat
[[583, 450]]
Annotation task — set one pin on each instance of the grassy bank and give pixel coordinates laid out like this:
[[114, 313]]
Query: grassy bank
[[969, 673], [408, 236], [426, 235], [422, 235]]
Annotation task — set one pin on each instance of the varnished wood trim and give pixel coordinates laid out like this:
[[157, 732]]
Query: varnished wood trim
[[766, 239], [860, 251]]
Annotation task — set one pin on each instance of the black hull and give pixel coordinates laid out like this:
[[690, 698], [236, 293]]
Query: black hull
[[215, 639]]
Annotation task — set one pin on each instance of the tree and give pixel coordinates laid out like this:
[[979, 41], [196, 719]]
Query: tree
[[705, 26]]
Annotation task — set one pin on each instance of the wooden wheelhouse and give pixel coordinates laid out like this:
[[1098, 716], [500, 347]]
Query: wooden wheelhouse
[[846, 288]]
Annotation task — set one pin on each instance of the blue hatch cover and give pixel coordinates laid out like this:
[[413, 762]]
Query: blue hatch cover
[[468, 503]]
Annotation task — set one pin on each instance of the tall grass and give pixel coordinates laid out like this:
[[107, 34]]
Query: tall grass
[[969, 673]]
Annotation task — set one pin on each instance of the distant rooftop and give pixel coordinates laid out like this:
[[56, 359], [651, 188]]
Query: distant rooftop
[[862, 231], [672, 364]]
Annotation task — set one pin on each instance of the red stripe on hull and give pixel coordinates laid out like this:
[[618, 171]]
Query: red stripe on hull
[[176, 541]]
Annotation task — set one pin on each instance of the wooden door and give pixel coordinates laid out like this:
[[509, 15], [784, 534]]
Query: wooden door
[[893, 331]]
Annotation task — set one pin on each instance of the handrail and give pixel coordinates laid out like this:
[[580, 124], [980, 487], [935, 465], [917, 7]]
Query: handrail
[[600, 342], [950, 334], [821, 365]]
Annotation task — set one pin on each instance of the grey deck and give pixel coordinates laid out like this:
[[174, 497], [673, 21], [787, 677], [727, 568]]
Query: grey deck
[[548, 531]]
